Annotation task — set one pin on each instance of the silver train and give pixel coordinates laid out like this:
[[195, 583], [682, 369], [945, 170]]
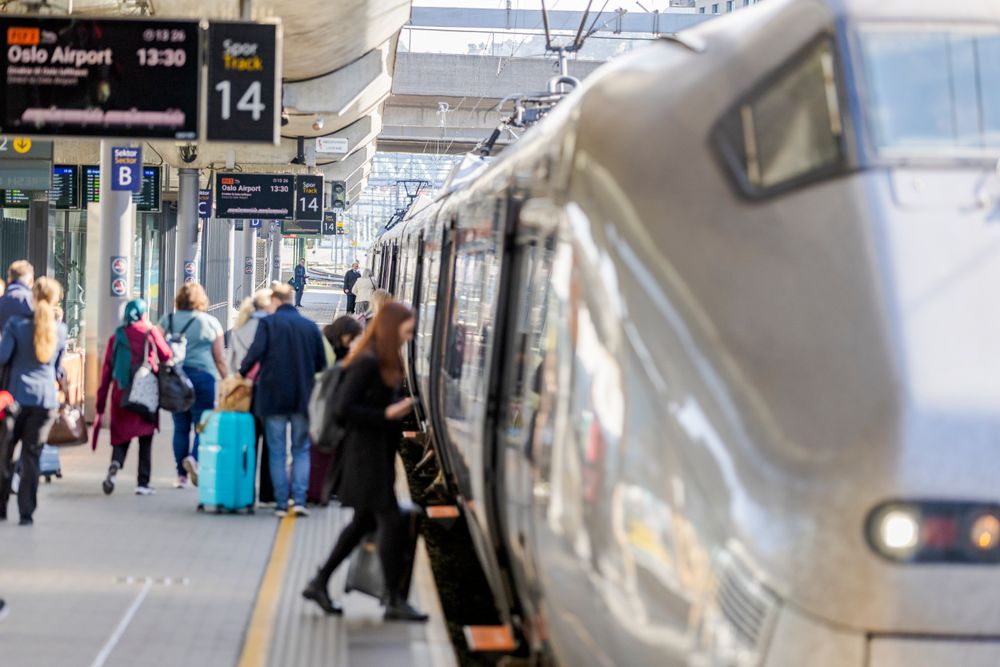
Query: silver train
[[711, 356]]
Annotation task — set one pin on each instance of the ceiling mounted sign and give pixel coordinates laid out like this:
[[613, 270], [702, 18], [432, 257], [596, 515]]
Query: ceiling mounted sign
[[244, 82], [99, 77], [249, 196]]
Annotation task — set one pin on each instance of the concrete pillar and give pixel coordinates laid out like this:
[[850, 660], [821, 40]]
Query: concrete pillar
[[248, 259], [275, 252], [169, 281], [186, 241], [110, 269], [38, 232]]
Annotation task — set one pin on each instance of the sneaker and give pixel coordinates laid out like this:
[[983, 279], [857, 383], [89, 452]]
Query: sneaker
[[300, 511], [400, 610], [4, 610], [109, 482], [26, 521], [144, 490], [280, 513], [192, 469], [182, 482]]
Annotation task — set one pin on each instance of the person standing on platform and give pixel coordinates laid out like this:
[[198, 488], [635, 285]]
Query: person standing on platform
[[289, 349], [203, 360], [251, 313], [32, 348], [133, 339], [16, 300], [300, 282], [350, 278], [369, 405], [363, 289]]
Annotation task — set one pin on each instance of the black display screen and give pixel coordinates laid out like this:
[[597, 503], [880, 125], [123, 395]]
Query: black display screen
[[263, 196], [147, 199], [243, 82], [65, 192], [16, 199], [301, 227], [99, 77]]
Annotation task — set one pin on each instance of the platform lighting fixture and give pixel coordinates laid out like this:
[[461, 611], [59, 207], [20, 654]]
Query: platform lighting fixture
[[931, 531]]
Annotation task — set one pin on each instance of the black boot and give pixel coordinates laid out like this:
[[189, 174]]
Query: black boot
[[399, 609], [315, 590]]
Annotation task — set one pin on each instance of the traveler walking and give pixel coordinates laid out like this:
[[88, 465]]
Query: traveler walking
[[341, 333], [363, 289], [367, 403], [350, 278], [290, 351], [135, 342], [32, 348], [197, 341], [251, 313], [380, 297], [299, 282], [16, 300]]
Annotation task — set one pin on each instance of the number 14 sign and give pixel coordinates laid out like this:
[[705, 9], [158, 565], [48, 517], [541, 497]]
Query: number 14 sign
[[244, 82]]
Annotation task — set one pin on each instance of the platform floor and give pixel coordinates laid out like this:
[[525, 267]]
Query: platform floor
[[128, 580]]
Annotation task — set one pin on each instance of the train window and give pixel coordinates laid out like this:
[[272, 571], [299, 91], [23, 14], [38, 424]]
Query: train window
[[931, 90], [788, 131]]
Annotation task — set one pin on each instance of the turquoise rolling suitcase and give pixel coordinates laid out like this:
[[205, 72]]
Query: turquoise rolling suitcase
[[226, 462]]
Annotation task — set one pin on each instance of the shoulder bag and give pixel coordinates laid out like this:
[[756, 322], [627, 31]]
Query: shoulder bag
[[69, 428], [143, 393]]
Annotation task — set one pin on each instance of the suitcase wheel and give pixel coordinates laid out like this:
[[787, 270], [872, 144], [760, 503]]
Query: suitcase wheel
[[218, 509], [59, 475], [48, 479], [250, 510], [201, 508]]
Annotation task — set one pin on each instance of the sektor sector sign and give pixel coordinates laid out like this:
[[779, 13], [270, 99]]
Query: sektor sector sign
[[99, 77]]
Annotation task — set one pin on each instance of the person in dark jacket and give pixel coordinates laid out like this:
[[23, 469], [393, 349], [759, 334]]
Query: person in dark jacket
[[16, 300], [369, 406], [350, 278], [124, 353], [300, 282], [33, 347], [290, 351]]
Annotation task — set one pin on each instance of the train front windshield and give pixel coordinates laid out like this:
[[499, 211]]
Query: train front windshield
[[931, 93]]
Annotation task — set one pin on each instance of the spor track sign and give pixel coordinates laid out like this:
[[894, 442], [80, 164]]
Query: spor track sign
[[244, 90], [99, 77]]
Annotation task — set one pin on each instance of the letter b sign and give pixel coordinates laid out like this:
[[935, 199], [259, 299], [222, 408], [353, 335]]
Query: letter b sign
[[126, 164]]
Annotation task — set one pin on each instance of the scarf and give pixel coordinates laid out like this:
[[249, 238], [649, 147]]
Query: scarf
[[121, 369]]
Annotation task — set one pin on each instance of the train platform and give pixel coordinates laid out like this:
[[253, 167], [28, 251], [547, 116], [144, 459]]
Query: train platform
[[129, 580]]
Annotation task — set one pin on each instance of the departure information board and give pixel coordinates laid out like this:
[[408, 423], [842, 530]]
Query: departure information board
[[16, 199], [263, 196], [147, 199], [300, 227], [99, 77], [65, 192]]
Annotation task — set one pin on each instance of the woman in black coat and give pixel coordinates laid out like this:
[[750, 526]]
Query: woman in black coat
[[368, 404]]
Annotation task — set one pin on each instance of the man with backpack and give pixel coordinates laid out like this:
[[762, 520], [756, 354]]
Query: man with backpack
[[290, 351]]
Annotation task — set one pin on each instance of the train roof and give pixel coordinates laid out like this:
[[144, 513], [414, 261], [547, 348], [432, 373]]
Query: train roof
[[936, 10]]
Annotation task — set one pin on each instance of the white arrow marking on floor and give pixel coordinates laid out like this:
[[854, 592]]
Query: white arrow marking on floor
[[123, 625]]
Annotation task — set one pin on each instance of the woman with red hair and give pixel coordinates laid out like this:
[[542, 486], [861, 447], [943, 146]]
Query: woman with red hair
[[369, 406]]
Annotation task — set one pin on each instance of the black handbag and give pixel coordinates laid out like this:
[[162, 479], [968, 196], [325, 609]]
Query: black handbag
[[176, 389]]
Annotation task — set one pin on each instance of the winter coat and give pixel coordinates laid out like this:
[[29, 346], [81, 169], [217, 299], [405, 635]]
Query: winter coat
[[16, 302], [290, 351], [126, 424], [364, 472], [364, 288], [31, 382]]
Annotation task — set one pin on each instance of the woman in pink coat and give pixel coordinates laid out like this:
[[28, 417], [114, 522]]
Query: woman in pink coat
[[124, 355]]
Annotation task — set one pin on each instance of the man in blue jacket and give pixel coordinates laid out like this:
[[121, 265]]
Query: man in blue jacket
[[16, 301], [290, 350], [300, 282]]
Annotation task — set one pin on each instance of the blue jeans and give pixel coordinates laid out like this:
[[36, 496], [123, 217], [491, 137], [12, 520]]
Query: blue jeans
[[204, 399], [275, 429]]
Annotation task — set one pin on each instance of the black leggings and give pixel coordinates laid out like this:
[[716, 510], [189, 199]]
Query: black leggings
[[390, 545], [31, 429], [119, 451]]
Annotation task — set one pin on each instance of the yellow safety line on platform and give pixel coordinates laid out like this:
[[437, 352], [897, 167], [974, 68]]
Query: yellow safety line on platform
[[257, 645]]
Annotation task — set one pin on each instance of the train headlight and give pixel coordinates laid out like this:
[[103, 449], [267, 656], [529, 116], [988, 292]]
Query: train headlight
[[936, 532]]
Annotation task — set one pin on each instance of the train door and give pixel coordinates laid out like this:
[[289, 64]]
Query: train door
[[438, 366], [418, 279], [519, 395], [394, 270]]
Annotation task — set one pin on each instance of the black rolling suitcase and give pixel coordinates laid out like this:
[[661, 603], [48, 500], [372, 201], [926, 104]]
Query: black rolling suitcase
[[364, 572]]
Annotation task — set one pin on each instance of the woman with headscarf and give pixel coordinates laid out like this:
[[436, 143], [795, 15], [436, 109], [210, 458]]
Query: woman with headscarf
[[134, 338], [370, 405]]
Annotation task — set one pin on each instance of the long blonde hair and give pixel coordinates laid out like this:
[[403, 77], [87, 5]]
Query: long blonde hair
[[259, 301], [47, 294], [380, 297]]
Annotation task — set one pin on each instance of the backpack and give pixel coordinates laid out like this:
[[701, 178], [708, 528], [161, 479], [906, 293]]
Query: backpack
[[325, 431], [178, 342]]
